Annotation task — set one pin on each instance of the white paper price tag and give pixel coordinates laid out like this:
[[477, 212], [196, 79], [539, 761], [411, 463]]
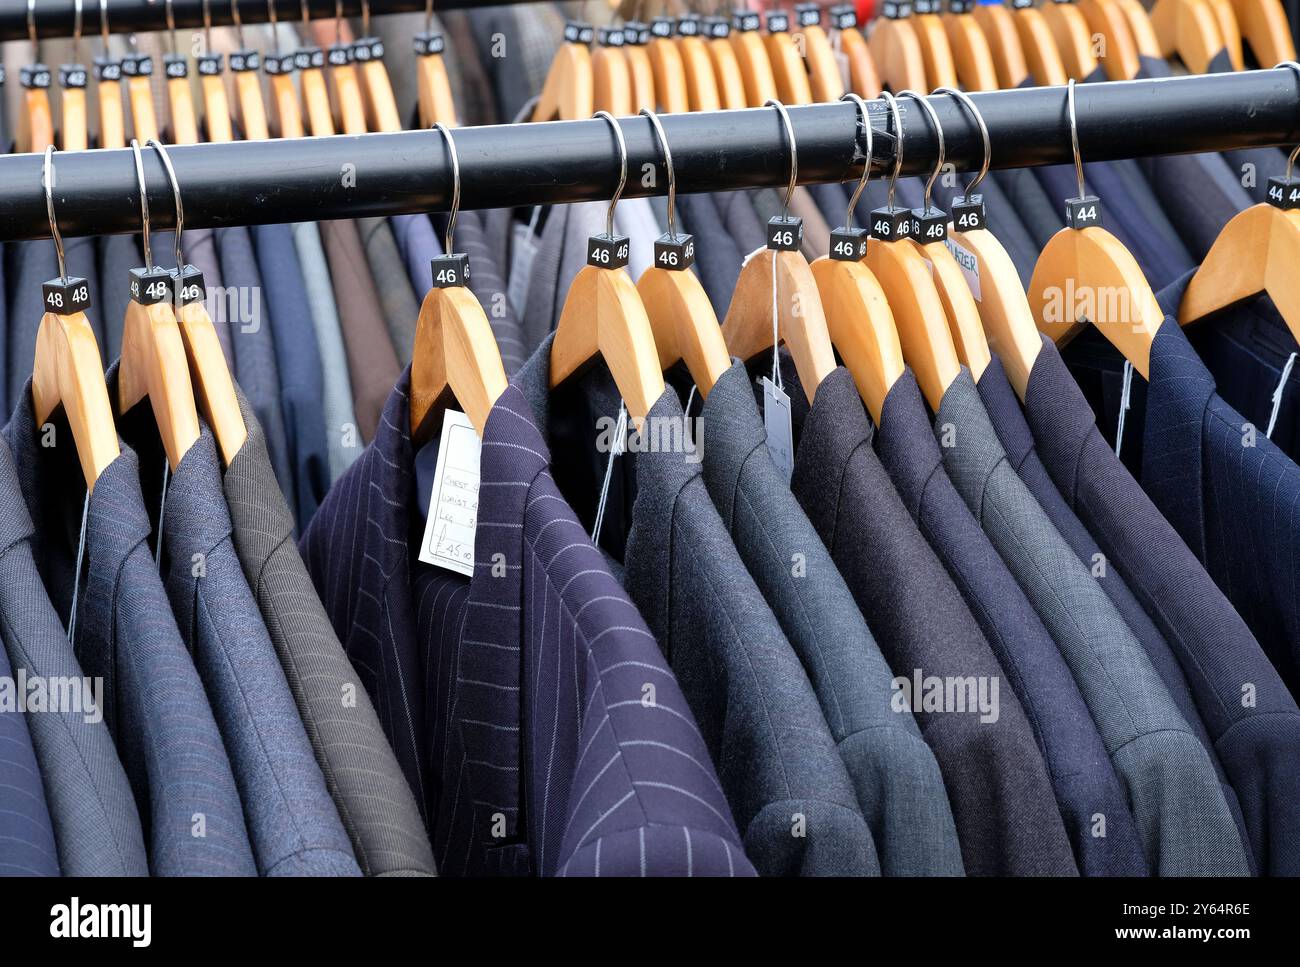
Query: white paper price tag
[[453, 504], [780, 432]]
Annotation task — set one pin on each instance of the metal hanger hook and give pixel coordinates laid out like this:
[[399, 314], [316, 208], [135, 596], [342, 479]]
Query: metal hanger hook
[[969, 104], [622, 169], [365, 18], [428, 16], [144, 203], [938, 130], [898, 147], [207, 27], [31, 30], [794, 153], [239, 24], [48, 178], [455, 185], [1074, 135], [103, 21], [1290, 161], [176, 193], [871, 150], [76, 32], [668, 166], [338, 21]]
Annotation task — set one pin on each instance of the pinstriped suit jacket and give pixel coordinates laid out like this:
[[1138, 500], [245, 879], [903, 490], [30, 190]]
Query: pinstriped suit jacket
[[1180, 808], [525, 732], [154, 702], [373, 799], [96, 824]]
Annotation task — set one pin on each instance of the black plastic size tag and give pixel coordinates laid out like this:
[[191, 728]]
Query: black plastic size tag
[[778, 21], [339, 55], [743, 21], [1083, 212], [929, 225], [961, 6], [191, 286], [150, 286], [807, 14], [717, 27], [661, 28], [450, 271], [1284, 192], [674, 253], [209, 65], [137, 65], [428, 43], [367, 49], [849, 244], [896, 9], [65, 296], [276, 64], [784, 233], [309, 58], [636, 33], [608, 251], [968, 214], [1021, 4], [578, 32], [242, 61], [689, 25], [108, 69], [843, 16], [73, 76], [34, 77], [927, 6], [891, 224], [611, 36], [176, 66]]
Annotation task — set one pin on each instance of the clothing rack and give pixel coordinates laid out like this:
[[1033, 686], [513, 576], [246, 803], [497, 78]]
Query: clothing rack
[[57, 18], [263, 182]]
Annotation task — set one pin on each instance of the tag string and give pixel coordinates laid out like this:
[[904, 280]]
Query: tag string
[[1277, 395], [776, 332], [1123, 405], [620, 430], [76, 581], [162, 506]]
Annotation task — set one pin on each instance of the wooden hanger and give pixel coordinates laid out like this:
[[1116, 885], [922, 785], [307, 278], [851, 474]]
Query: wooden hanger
[[369, 53], [1070, 31], [75, 132], [67, 369], [433, 87], [455, 351], [682, 319], [971, 55], [603, 316], [37, 132], [217, 117], [940, 65], [214, 389], [999, 26], [864, 79], [1226, 17], [610, 74], [1189, 29], [1139, 27], [569, 90], [1264, 25], [180, 98], [824, 77], [280, 67], [1085, 264], [1041, 54], [858, 317], [752, 58], [153, 362], [1008, 325], [667, 67], [341, 58], [310, 61], [138, 70], [1255, 253], [897, 52], [906, 278], [787, 64], [108, 77], [726, 67], [800, 323], [701, 84], [1107, 20], [637, 36]]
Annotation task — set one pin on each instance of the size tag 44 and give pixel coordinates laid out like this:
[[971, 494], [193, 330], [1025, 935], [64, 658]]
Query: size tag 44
[[453, 503]]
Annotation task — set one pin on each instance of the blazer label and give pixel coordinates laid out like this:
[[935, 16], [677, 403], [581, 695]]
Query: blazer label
[[453, 502], [970, 265]]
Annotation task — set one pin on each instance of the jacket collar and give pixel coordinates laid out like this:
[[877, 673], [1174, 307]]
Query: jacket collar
[[835, 427], [1003, 411], [906, 441], [258, 512], [1054, 402], [730, 409], [963, 419]]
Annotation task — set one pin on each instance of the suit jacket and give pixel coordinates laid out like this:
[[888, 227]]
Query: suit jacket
[[1180, 809], [361, 772], [118, 255], [95, 822], [488, 283], [1002, 799], [1257, 742], [741, 221], [298, 361], [1082, 774], [1003, 409], [199, 246], [894, 773], [516, 702], [397, 299], [154, 702], [717, 257], [417, 244], [372, 362], [245, 305], [342, 441]]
